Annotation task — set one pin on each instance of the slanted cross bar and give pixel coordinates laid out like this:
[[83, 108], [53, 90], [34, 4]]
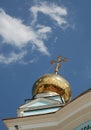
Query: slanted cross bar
[[59, 59]]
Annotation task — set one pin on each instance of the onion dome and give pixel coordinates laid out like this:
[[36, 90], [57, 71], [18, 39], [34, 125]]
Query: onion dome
[[53, 83]]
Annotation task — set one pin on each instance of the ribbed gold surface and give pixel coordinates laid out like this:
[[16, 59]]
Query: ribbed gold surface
[[53, 83]]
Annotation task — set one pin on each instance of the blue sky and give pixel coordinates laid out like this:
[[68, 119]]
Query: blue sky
[[34, 32]]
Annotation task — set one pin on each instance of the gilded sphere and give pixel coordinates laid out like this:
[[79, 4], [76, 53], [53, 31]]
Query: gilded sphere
[[52, 83]]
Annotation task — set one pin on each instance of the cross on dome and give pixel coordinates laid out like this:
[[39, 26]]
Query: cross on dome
[[58, 65]]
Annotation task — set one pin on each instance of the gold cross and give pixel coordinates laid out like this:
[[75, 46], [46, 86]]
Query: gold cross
[[59, 59]]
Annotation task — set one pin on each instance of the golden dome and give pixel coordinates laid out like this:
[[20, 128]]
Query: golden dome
[[52, 83]]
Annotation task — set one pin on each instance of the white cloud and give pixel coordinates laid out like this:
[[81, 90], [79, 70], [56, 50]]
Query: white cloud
[[15, 33], [12, 57], [43, 30], [28, 62], [55, 12]]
